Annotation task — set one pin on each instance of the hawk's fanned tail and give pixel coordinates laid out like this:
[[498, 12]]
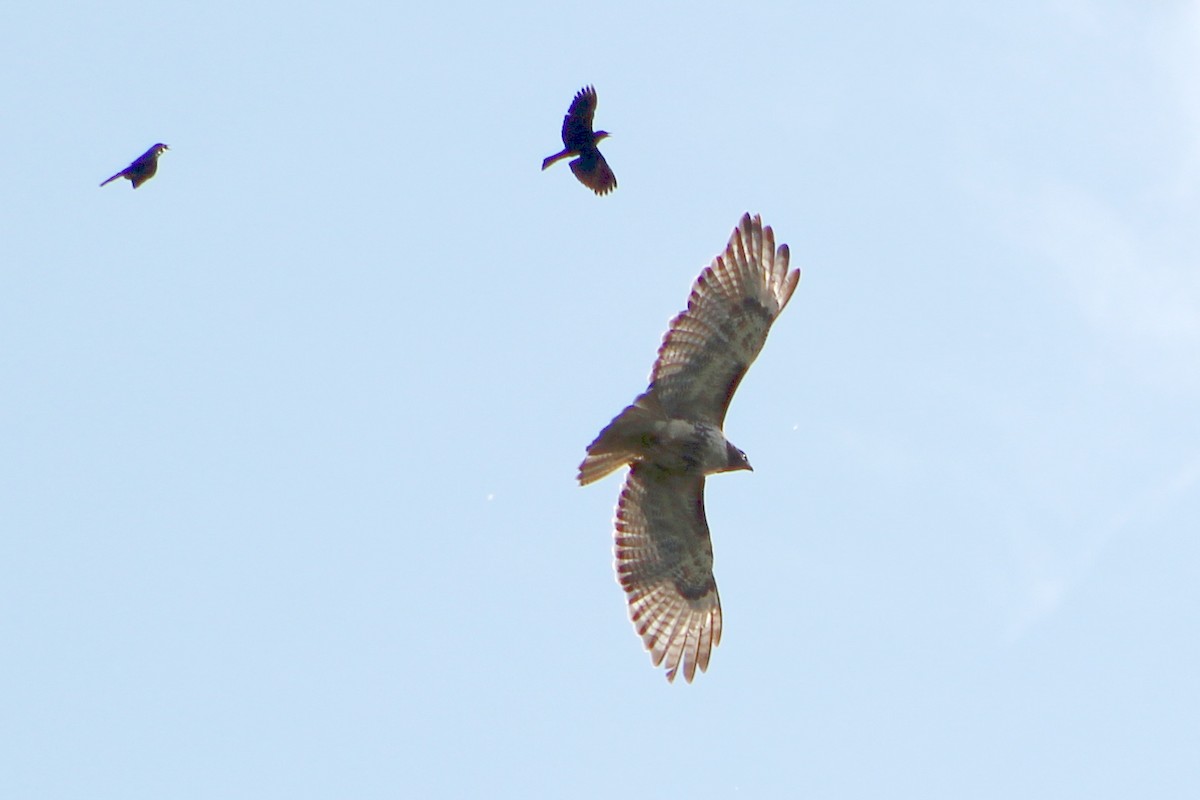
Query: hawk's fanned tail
[[559, 156], [621, 442], [596, 466]]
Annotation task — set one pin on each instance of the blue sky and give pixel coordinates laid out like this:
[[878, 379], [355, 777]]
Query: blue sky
[[290, 433]]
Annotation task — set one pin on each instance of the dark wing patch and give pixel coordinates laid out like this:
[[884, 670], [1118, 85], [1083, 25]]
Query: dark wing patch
[[593, 171], [733, 303], [577, 124], [142, 171], [664, 563]]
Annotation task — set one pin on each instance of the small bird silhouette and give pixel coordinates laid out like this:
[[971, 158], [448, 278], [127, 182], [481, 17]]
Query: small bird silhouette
[[143, 167], [578, 140]]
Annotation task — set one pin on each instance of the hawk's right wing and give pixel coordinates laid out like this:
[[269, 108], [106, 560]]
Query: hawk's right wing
[[664, 563]]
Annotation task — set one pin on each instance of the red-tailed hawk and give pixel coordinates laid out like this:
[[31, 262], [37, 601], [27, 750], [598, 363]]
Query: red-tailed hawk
[[143, 167], [671, 437], [578, 140]]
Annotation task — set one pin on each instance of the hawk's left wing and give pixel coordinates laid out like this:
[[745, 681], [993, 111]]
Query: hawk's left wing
[[709, 347], [664, 563]]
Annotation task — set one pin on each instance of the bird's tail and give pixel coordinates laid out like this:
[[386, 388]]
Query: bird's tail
[[556, 157], [113, 178], [622, 442]]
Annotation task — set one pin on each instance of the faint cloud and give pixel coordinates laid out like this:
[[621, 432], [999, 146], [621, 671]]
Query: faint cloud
[[1178, 51], [1124, 235], [1161, 496], [1129, 276], [1047, 568], [1041, 583], [1080, 14], [1187, 477]]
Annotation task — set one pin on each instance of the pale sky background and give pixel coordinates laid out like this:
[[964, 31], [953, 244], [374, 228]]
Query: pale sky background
[[288, 436]]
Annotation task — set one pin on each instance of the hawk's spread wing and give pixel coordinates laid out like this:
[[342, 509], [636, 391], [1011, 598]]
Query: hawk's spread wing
[[577, 124], [664, 563], [709, 347]]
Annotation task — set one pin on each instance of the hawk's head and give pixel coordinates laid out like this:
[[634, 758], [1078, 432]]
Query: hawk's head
[[735, 459]]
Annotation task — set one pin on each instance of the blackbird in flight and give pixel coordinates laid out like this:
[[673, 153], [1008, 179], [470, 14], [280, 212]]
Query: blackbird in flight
[[143, 167], [579, 140]]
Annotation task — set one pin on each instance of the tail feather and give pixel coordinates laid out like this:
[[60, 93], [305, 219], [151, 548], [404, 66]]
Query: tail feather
[[556, 157], [621, 442], [113, 178], [595, 467]]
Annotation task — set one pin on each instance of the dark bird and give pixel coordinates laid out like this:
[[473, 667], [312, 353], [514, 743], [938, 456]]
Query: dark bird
[[578, 140], [672, 437], [143, 167]]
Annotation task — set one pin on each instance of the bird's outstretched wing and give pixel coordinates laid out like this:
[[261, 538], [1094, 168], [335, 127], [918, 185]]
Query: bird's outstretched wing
[[664, 563], [593, 171], [577, 124], [709, 347]]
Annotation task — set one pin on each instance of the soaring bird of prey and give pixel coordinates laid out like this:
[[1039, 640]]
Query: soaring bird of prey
[[578, 140], [143, 167], [672, 437]]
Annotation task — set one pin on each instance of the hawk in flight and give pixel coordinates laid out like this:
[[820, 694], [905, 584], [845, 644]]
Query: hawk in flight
[[578, 140], [143, 167], [671, 438]]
